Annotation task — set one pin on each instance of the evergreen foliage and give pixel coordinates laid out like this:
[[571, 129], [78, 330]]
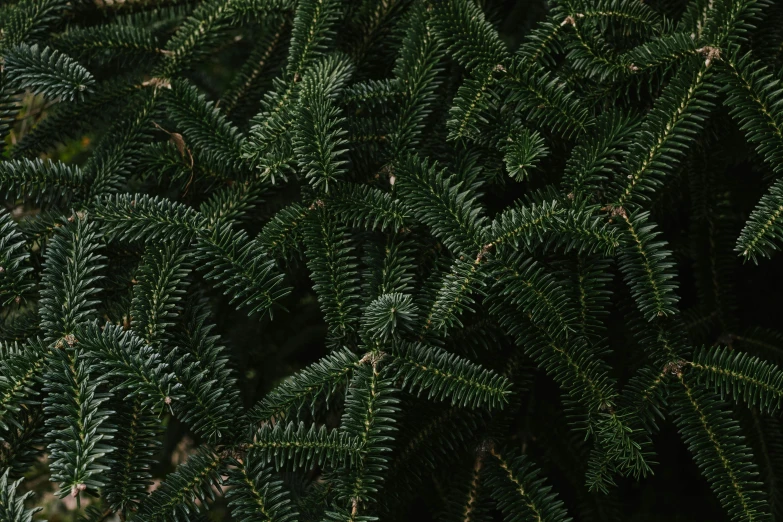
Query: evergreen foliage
[[391, 260]]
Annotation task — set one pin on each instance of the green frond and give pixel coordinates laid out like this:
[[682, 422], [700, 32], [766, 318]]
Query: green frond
[[22, 441], [739, 376], [647, 267], [318, 382], [337, 514], [474, 97], [528, 287], [232, 261], [47, 72], [186, 491], [256, 494], [117, 152], [210, 402], [522, 224], [204, 28], [312, 32], [71, 270], [393, 266], [621, 446], [369, 419], [20, 374], [158, 290], [764, 229], [416, 72], [40, 180], [521, 494], [599, 154], [467, 36], [104, 42], [754, 98], [283, 235], [239, 10], [133, 365], [640, 17], [204, 127], [15, 276], [694, 18], [730, 21], [666, 133], [543, 42], [268, 147], [136, 444], [296, 446], [663, 52], [449, 208], [332, 264], [453, 294], [133, 217], [318, 137], [720, 451], [523, 151], [12, 506], [78, 423], [372, 94], [591, 56], [30, 19], [447, 377], [389, 316], [367, 207], [541, 97], [546, 220]]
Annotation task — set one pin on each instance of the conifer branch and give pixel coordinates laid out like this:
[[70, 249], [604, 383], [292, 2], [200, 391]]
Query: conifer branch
[[47, 72], [39, 180], [447, 376], [256, 494], [157, 292], [186, 490], [518, 490], [646, 267], [12, 506], [331, 260], [392, 183], [764, 228], [445, 206], [15, 277], [722, 456], [671, 125], [370, 408], [21, 373], [296, 446], [740, 376], [314, 383], [71, 270]]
